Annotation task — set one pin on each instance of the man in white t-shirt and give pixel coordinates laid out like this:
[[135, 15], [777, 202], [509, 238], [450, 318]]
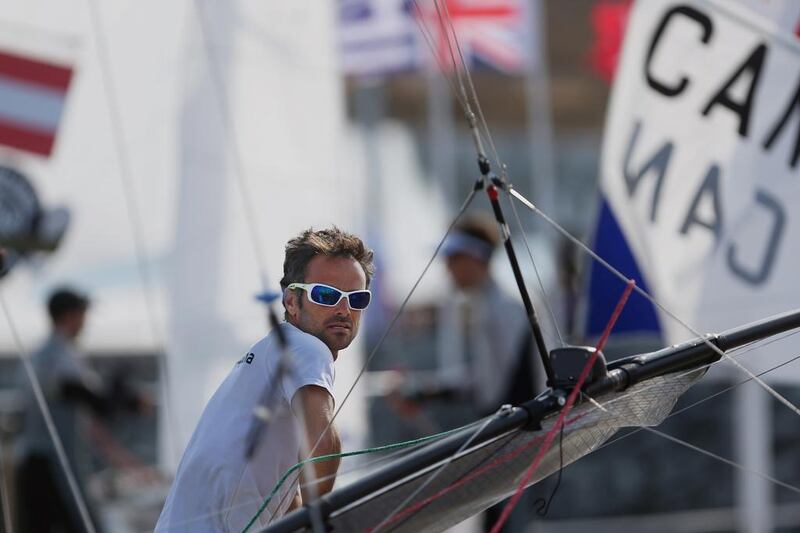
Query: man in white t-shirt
[[325, 278]]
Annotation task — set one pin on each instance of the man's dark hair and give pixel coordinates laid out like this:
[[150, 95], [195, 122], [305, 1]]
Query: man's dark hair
[[331, 242], [65, 300]]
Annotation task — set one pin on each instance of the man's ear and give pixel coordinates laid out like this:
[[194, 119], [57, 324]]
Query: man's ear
[[291, 303]]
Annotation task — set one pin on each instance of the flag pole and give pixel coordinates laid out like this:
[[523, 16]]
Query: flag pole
[[442, 136], [537, 106]]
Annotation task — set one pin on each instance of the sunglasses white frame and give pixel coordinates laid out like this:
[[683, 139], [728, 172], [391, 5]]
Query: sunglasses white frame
[[308, 287]]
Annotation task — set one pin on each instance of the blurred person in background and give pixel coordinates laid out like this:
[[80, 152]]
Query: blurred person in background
[[485, 340], [485, 343], [71, 390]]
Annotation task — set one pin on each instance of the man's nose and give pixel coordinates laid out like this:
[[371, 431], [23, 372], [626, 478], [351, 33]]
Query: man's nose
[[342, 308]]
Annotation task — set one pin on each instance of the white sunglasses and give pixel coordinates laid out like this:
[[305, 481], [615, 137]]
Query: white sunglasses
[[328, 296]]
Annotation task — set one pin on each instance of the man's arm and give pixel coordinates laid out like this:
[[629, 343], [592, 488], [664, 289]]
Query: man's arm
[[316, 406]]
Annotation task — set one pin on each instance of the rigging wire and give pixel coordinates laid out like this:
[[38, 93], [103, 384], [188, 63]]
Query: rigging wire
[[740, 353], [474, 93], [458, 89], [444, 34], [707, 453], [446, 20], [716, 394], [38, 394], [425, 31], [133, 212], [723, 459], [546, 298], [652, 300], [438, 471]]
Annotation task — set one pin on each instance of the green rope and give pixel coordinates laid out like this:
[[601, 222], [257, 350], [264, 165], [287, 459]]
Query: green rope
[[328, 457]]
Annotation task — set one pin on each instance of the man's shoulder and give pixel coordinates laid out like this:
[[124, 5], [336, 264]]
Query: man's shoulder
[[297, 340], [56, 355]]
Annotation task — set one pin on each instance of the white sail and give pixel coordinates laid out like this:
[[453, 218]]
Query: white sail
[[698, 166], [252, 96]]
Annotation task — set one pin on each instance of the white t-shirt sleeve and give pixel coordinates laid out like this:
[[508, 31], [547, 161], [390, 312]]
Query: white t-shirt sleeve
[[311, 364]]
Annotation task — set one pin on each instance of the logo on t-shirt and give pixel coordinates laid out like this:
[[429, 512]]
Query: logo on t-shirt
[[246, 359]]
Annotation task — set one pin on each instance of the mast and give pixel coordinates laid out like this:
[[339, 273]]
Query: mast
[[197, 256]]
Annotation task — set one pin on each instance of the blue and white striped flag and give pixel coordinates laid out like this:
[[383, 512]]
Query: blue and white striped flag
[[378, 37]]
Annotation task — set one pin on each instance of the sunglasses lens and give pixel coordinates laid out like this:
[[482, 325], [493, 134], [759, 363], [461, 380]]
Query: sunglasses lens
[[359, 300], [325, 295]]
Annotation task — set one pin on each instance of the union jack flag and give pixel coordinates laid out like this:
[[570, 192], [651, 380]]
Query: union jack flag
[[382, 36], [491, 33]]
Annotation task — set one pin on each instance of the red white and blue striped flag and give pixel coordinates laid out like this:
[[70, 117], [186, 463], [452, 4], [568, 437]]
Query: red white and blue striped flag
[[382, 37], [32, 96]]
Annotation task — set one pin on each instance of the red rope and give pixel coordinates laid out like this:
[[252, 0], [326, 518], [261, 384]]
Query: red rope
[[506, 457], [510, 456], [520, 449], [564, 411]]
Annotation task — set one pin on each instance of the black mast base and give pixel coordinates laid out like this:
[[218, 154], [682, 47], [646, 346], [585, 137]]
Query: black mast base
[[568, 363]]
